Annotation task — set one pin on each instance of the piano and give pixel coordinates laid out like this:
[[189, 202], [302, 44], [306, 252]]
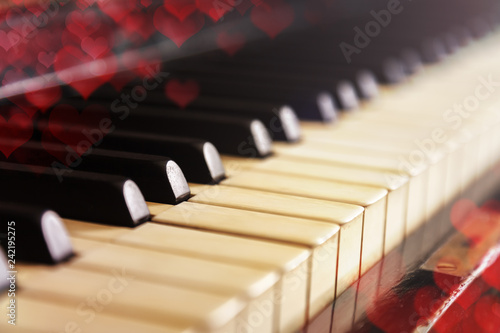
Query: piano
[[249, 166]]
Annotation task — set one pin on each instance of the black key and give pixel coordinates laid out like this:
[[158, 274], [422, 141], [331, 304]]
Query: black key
[[304, 101], [324, 51], [307, 102], [364, 80], [231, 135], [433, 50], [34, 234], [279, 119], [199, 160], [159, 178], [345, 95], [451, 42], [269, 80], [387, 69], [463, 35], [391, 70], [479, 26], [412, 60], [107, 199]]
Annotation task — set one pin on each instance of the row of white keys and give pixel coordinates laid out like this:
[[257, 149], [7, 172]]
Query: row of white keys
[[42, 316], [408, 150], [176, 293], [448, 172], [372, 199], [91, 294], [34, 311], [324, 276], [282, 207], [366, 158], [349, 217], [281, 310], [400, 159], [396, 186], [254, 285], [473, 138]]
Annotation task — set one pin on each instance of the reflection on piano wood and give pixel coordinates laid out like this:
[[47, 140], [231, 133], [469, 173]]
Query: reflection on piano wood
[[269, 236], [452, 289]]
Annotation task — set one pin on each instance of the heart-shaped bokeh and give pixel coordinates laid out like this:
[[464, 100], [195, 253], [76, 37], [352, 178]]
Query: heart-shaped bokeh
[[180, 8], [79, 131], [178, 31], [14, 132], [272, 16], [83, 78], [182, 92], [231, 43]]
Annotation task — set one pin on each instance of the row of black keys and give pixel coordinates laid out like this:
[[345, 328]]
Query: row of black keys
[[310, 71], [123, 167], [110, 182]]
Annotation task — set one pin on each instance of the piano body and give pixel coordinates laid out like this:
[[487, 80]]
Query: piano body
[[249, 166]]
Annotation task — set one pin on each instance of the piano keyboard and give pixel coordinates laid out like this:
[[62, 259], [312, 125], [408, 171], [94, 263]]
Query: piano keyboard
[[259, 234]]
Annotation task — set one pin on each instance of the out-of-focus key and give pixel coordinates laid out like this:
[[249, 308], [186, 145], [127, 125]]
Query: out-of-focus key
[[291, 261], [38, 317], [256, 286], [119, 293]]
